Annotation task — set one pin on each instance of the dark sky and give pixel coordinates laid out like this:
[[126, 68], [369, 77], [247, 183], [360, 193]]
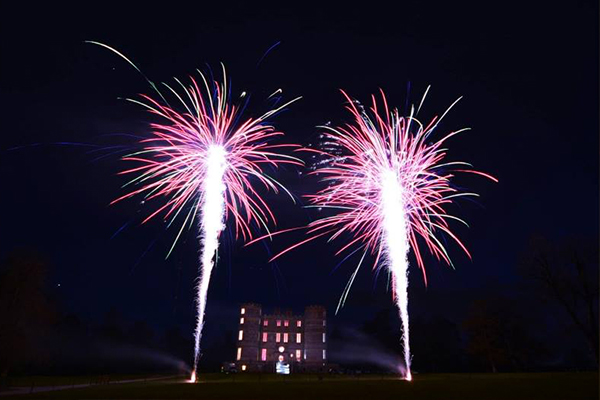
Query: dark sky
[[528, 72]]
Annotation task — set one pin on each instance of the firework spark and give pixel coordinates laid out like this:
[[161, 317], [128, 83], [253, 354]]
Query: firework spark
[[387, 181], [204, 161]]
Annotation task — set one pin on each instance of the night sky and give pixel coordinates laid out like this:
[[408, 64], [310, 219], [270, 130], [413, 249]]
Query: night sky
[[528, 72]]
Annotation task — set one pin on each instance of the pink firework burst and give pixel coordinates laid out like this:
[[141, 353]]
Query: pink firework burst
[[390, 187], [175, 160], [373, 149], [204, 160]]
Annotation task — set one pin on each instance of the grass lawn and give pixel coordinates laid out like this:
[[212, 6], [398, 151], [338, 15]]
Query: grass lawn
[[546, 386], [43, 380]]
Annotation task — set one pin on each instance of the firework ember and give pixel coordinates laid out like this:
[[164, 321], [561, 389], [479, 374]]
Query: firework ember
[[204, 161], [389, 184]]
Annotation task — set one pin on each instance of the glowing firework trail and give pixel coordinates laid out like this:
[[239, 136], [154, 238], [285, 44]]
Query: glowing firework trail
[[213, 208], [201, 162], [387, 181]]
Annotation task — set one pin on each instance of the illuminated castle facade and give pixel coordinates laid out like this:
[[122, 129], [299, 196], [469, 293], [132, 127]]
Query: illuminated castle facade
[[281, 342]]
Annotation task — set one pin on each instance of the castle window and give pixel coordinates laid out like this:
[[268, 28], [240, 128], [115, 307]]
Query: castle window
[[243, 311], [278, 322], [286, 323], [266, 322], [305, 354], [323, 354], [239, 353], [265, 337], [298, 324], [298, 338], [323, 338], [241, 335], [242, 320], [278, 337], [285, 338], [263, 354], [323, 322], [298, 354]]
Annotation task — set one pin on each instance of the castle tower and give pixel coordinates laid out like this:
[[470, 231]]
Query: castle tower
[[248, 335], [315, 331]]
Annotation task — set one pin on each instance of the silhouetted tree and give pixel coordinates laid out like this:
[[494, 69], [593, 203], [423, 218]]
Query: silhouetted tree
[[174, 343], [113, 329], [71, 349], [435, 344], [25, 311], [141, 334], [566, 274], [485, 338], [381, 330], [500, 335]]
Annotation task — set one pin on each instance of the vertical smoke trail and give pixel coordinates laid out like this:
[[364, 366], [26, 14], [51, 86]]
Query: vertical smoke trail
[[213, 212], [396, 246]]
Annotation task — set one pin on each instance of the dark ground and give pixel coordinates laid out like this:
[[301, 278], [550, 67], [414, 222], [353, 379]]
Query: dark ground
[[545, 386]]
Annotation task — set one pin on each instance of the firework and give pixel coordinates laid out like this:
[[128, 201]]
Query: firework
[[386, 179], [204, 161]]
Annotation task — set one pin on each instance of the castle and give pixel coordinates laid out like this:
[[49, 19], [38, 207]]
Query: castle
[[281, 342]]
